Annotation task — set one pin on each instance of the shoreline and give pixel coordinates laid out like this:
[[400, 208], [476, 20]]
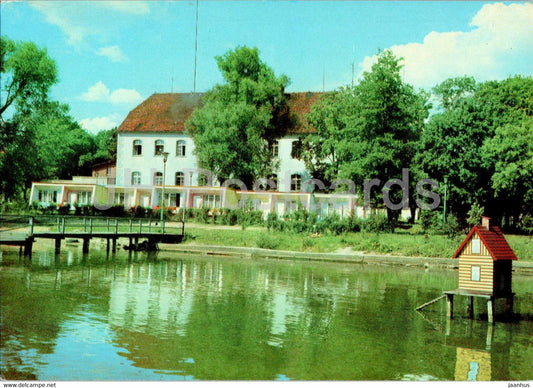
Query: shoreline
[[523, 267]]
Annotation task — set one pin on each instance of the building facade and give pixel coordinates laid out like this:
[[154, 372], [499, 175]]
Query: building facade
[[157, 126]]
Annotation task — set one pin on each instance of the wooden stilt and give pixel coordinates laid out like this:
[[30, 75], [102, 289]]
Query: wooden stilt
[[58, 246], [85, 248], [471, 307], [114, 246], [107, 246], [490, 310]]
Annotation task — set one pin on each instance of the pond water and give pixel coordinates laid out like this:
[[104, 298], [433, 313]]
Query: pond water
[[169, 316]]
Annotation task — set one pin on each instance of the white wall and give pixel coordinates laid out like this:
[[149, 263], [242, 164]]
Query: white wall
[[148, 163], [288, 165]]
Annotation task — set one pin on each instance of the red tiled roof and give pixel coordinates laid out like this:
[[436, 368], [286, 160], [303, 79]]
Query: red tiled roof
[[168, 112], [494, 240]]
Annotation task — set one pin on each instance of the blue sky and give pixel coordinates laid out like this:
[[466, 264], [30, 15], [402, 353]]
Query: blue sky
[[111, 55]]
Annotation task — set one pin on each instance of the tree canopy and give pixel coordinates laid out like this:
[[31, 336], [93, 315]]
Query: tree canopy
[[369, 131], [235, 128]]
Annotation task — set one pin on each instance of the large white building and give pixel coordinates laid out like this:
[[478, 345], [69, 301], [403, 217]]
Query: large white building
[[157, 125]]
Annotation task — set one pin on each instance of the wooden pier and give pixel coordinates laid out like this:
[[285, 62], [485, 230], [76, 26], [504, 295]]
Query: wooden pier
[[88, 228]]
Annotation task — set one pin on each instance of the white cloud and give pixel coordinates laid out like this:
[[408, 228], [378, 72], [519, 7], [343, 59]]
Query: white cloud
[[79, 19], [98, 124], [125, 96], [64, 15], [114, 53], [501, 39], [99, 92]]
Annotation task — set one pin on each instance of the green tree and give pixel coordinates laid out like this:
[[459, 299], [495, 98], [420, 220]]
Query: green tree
[[234, 130], [369, 131], [470, 116], [510, 151], [27, 74]]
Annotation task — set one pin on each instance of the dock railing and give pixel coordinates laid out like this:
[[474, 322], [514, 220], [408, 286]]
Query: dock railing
[[30, 225]]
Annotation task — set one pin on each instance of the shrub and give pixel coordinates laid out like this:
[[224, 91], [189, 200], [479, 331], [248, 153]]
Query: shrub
[[229, 217], [377, 223], [267, 241]]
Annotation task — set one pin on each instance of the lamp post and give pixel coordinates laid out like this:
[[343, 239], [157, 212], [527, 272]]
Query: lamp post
[[165, 157]]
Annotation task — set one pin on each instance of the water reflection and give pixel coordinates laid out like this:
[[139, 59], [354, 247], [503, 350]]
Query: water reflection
[[169, 317]]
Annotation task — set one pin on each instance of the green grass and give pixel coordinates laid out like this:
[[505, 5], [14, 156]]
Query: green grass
[[401, 244]]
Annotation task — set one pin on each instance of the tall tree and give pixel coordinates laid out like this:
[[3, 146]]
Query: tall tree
[[240, 118], [370, 131], [451, 145], [26, 75]]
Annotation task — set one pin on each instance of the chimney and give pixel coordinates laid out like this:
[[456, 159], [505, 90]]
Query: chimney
[[485, 222]]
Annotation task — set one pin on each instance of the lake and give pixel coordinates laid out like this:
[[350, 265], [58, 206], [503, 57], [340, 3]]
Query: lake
[[169, 316]]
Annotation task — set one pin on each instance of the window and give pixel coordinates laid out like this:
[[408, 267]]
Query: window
[[296, 182], [158, 178], [159, 147], [84, 197], [296, 150], [476, 246], [119, 198], [47, 196], [137, 147], [475, 274], [180, 179], [274, 181], [180, 148], [275, 148], [211, 201], [135, 178]]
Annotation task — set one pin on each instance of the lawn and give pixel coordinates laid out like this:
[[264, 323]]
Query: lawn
[[401, 243]]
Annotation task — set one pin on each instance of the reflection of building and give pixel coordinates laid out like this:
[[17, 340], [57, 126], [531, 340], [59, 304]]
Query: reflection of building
[[473, 365]]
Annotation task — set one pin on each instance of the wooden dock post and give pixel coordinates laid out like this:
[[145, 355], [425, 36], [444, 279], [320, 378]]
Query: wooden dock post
[[114, 246], [85, 248], [28, 248], [107, 246], [58, 246]]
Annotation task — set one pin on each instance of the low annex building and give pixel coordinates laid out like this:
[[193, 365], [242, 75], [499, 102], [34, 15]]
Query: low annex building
[[157, 125]]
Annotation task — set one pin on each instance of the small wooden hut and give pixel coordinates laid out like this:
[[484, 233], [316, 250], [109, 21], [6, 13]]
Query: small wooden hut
[[485, 267]]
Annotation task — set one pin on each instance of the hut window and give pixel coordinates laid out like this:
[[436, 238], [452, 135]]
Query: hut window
[[476, 246], [475, 273]]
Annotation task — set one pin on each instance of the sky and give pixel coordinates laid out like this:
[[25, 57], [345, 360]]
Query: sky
[[111, 55]]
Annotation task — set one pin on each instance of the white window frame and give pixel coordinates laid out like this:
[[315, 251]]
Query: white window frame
[[137, 148], [475, 273], [181, 148], [476, 246], [158, 178], [159, 147], [136, 178]]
